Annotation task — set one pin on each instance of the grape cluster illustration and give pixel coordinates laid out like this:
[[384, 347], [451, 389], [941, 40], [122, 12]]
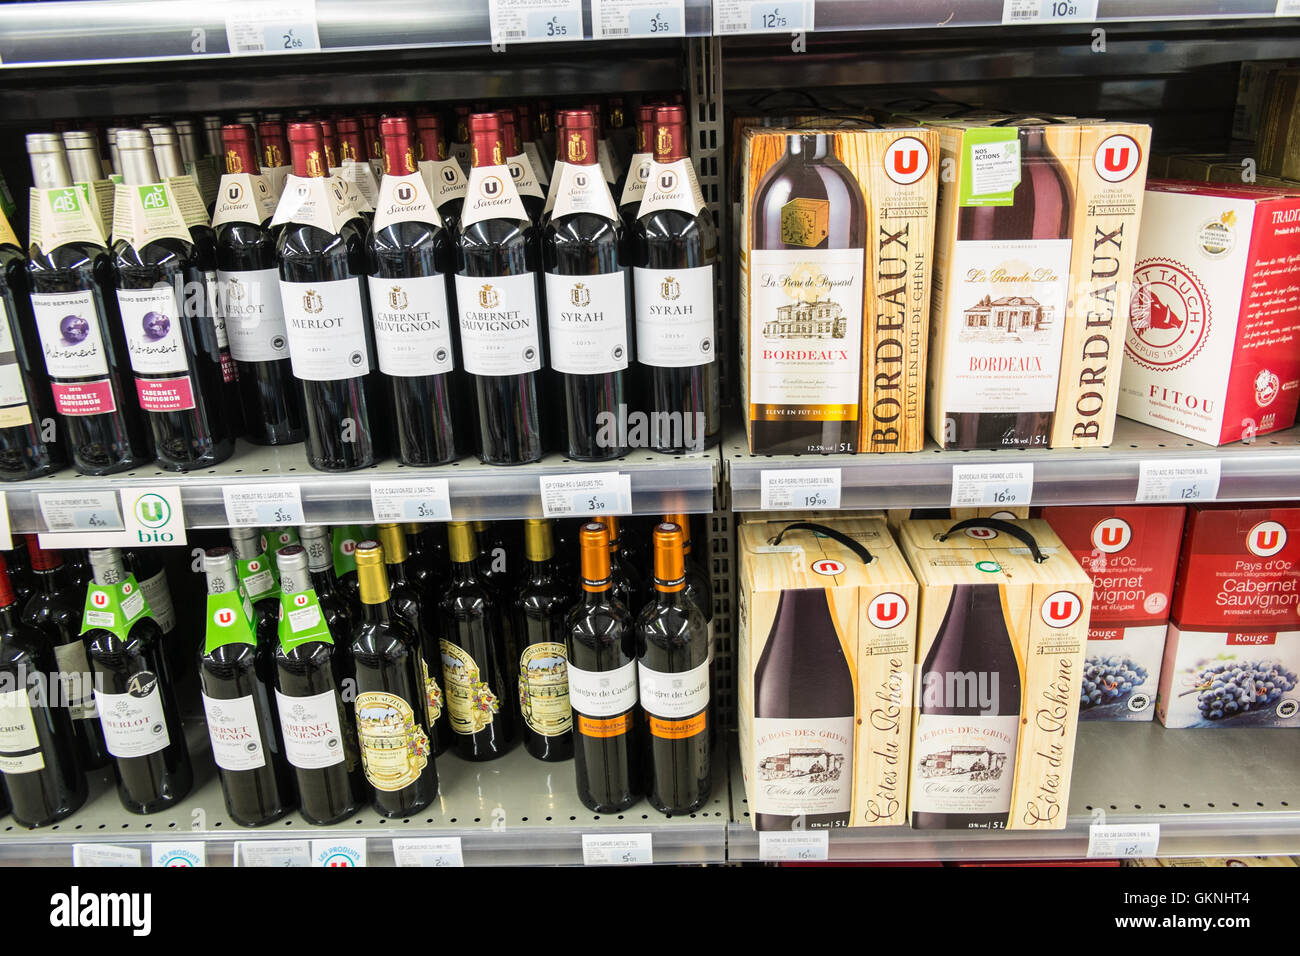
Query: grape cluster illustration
[[1231, 688], [1107, 680]]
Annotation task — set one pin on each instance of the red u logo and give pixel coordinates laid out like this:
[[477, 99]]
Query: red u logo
[[906, 168], [1116, 159]]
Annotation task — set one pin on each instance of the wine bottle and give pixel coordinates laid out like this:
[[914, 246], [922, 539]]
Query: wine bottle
[[673, 678], [676, 247], [426, 566], [274, 146], [237, 673], [55, 610], [317, 540], [602, 674], [540, 610], [21, 576], [355, 168], [529, 143], [74, 301], [134, 688], [803, 719], [475, 666], [497, 296], [253, 569], [320, 738], [521, 168], [629, 584], [327, 313], [444, 176], [698, 588], [249, 292], [638, 169], [964, 754], [82, 150], [605, 156], [585, 256], [374, 144], [79, 571], [410, 257], [204, 175], [38, 746], [344, 540], [461, 149], [146, 565]]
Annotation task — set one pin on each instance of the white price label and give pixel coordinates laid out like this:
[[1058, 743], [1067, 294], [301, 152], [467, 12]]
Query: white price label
[[1186, 481], [263, 505], [1287, 8], [80, 510], [6, 535], [426, 500], [272, 853], [771, 16], [810, 845], [529, 21], [611, 19], [179, 854], [1110, 841], [429, 851], [1049, 11], [800, 488], [977, 486], [600, 493], [96, 854], [338, 853], [271, 26], [599, 849]]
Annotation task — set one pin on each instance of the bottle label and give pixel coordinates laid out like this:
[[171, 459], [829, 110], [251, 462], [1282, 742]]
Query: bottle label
[[19, 747], [321, 201], [205, 179], [76, 680], [491, 194], [326, 322], [461, 153], [256, 577], [405, 198], [674, 316], [243, 197], [360, 176], [114, 607], [313, 738], [544, 689], [803, 767], [234, 732], [638, 176], [412, 325], [602, 693], [301, 620], [165, 394], [99, 196], [71, 338], [431, 691], [963, 765], [276, 176], [60, 216], [158, 599], [229, 621], [586, 320], [805, 333], [254, 315], [671, 186], [674, 696], [84, 398], [499, 324], [152, 323], [581, 189], [470, 701], [524, 176], [7, 236], [535, 159], [142, 214], [445, 179], [394, 747], [14, 409], [134, 723]]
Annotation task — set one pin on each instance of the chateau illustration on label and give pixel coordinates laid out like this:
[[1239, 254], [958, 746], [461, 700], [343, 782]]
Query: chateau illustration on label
[[819, 319], [816, 763], [973, 762], [1016, 316]]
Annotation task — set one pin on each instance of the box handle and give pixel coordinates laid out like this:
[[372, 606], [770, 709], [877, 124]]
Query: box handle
[[855, 546], [997, 524]]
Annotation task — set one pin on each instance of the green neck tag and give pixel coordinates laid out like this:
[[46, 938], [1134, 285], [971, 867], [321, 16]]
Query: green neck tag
[[990, 166], [301, 620], [346, 538], [229, 621], [256, 578], [114, 607]]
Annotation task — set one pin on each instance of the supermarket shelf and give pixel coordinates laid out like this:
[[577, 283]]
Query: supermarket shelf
[[478, 492], [1220, 792], [1267, 469]]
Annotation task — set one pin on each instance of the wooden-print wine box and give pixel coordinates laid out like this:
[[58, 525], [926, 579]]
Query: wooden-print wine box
[[824, 673], [1000, 651], [836, 232]]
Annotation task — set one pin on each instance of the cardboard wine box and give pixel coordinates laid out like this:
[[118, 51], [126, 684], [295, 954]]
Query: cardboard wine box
[[1000, 650], [1131, 554], [826, 646]]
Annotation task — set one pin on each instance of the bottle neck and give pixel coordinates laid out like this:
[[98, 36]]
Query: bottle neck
[[809, 146], [397, 573], [323, 580], [9, 617], [539, 572], [376, 613], [464, 572], [50, 580]]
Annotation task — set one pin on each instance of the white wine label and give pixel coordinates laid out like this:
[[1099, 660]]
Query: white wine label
[[674, 316], [243, 197], [581, 189], [63, 215], [142, 214], [326, 322], [14, 409], [394, 746], [603, 693], [980, 486], [412, 327], [68, 324], [535, 159], [76, 680], [360, 175], [499, 325], [638, 176], [471, 704], [674, 696], [159, 598], [803, 767], [1183, 480], [445, 179], [525, 177], [544, 689], [233, 730], [254, 315], [671, 186], [586, 321], [320, 201], [963, 765], [313, 737], [134, 723], [606, 162], [152, 322], [19, 746], [405, 199], [491, 194]]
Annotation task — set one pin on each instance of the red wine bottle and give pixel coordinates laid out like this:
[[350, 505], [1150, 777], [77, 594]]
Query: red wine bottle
[[540, 609], [676, 248], [497, 293], [627, 579], [249, 292], [411, 258], [327, 311], [374, 144], [355, 169], [520, 165], [274, 146], [74, 301], [461, 149], [632, 189], [442, 174]]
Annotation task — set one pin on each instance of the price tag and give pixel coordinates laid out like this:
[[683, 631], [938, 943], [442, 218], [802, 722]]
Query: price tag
[[611, 19], [529, 21], [272, 853], [1109, 841], [772, 16], [1184, 480], [271, 26], [6, 535], [338, 853], [180, 854], [799, 488], [430, 851], [981, 485], [601, 493], [80, 510], [98, 854], [623, 849], [809, 845], [1049, 11], [262, 505], [427, 500], [129, 518], [1287, 8]]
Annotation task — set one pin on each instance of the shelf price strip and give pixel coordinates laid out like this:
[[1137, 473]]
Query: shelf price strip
[[100, 854], [272, 853], [426, 500], [623, 19], [770, 16], [271, 26], [622, 849], [1048, 11], [1111, 840], [599, 493], [798, 489], [260, 505], [129, 517], [1181, 480], [428, 851], [982, 486], [533, 21], [784, 847]]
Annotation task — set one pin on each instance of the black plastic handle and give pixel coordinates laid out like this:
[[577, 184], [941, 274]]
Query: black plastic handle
[[997, 524], [855, 546], [1015, 118]]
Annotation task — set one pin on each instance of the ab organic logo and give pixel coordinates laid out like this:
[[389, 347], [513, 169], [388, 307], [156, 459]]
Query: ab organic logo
[[64, 200], [153, 197]]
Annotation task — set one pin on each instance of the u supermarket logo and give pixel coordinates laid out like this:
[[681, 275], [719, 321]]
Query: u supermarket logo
[[1062, 609], [300, 600], [224, 617], [1111, 535], [152, 511], [887, 610], [1266, 539], [99, 599], [981, 534], [828, 567], [491, 187], [906, 160], [1117, 158]]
